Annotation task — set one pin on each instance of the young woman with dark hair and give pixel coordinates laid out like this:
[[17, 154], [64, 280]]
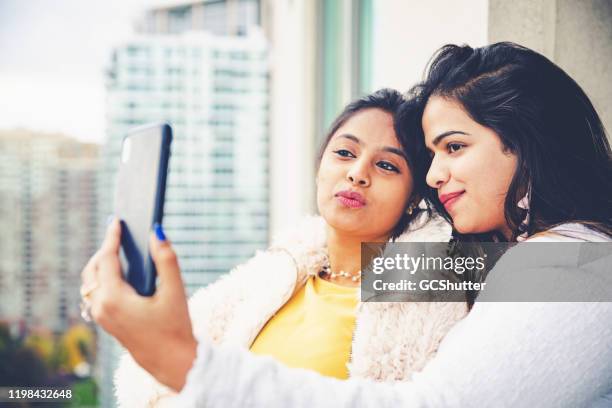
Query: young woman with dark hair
[[551, 159], [507, 147]]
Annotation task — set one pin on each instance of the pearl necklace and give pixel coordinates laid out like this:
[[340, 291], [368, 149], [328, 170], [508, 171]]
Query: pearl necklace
[[326, 271]]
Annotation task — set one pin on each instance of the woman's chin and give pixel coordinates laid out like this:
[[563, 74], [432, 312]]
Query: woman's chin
[[464, 227], [345, 221], [460, 225], [356, 226]]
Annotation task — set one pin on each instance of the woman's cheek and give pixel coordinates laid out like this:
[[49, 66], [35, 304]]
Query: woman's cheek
[[325, 194], [468, 168], [392, 201]]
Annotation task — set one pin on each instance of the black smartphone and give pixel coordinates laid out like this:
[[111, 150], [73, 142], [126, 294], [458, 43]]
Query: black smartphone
[[139, 200]]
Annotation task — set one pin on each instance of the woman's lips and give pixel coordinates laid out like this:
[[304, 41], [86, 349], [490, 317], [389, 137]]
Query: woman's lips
[[349, 202], [351, 199], [448, 200]]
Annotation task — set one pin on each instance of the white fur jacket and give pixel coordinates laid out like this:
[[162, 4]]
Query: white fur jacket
[[391, 340]]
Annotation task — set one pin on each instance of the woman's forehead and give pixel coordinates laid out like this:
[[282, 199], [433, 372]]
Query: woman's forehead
[[369, 128], [443, 115], [441, 111]]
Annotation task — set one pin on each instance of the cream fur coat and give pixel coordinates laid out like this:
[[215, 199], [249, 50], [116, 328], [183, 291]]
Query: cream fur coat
[[391, 340]]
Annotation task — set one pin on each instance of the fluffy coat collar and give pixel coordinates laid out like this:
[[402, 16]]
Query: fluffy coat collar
[[391, 340]]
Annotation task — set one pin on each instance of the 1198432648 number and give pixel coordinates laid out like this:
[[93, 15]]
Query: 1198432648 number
[[37, 393]]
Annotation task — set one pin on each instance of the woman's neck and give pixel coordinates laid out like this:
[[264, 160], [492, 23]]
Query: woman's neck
[[344, 250]]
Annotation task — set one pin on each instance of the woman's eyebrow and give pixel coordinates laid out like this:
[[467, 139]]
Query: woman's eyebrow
[[389, 149], [395, 151], [441, 136], [351, 137]]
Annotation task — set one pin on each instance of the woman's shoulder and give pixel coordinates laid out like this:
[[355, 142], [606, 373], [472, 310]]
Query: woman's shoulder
[[570, 232], [568, 263]]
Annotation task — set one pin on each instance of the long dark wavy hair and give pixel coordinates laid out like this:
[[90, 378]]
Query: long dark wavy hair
[[390, 101], [541, 115]]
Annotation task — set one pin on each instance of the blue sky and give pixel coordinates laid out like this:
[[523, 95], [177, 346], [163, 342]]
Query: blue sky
[[52, 59]]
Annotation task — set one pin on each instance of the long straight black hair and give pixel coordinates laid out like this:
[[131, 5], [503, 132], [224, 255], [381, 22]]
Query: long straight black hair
[[541, 115]]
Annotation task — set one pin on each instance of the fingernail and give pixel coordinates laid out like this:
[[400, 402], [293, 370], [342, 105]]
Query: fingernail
[[109, 219], [159, 232]]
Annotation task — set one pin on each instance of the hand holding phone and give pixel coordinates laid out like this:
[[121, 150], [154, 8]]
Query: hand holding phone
[[139, 200]]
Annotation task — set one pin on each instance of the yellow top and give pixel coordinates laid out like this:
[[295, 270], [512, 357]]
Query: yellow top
[[313, 330]]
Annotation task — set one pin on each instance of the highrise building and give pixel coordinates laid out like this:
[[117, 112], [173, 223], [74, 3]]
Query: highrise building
[[212, 87], [48, 210], [218, 17], [213, 91]]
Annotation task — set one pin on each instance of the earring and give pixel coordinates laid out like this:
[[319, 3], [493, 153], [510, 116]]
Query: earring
[[525, 204], [410, 209]]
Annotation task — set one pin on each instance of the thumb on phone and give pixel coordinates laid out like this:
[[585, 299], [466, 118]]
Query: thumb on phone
[[166, 263]]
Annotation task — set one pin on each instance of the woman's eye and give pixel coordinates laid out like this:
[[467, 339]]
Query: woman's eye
[[454, 147], [388, 166], [344, 153]]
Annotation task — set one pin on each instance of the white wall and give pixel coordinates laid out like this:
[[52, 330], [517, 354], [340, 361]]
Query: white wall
[[407, 32], [577, 36], [292, 114]]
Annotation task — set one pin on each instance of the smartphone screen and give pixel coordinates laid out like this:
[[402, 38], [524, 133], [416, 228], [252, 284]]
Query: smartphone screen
[[139, 200]]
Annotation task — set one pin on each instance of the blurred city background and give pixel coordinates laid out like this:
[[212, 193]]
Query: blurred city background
[[249, 87]]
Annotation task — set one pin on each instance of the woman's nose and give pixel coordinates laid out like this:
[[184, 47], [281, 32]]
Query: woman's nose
[[358, 174], [438, 173]]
